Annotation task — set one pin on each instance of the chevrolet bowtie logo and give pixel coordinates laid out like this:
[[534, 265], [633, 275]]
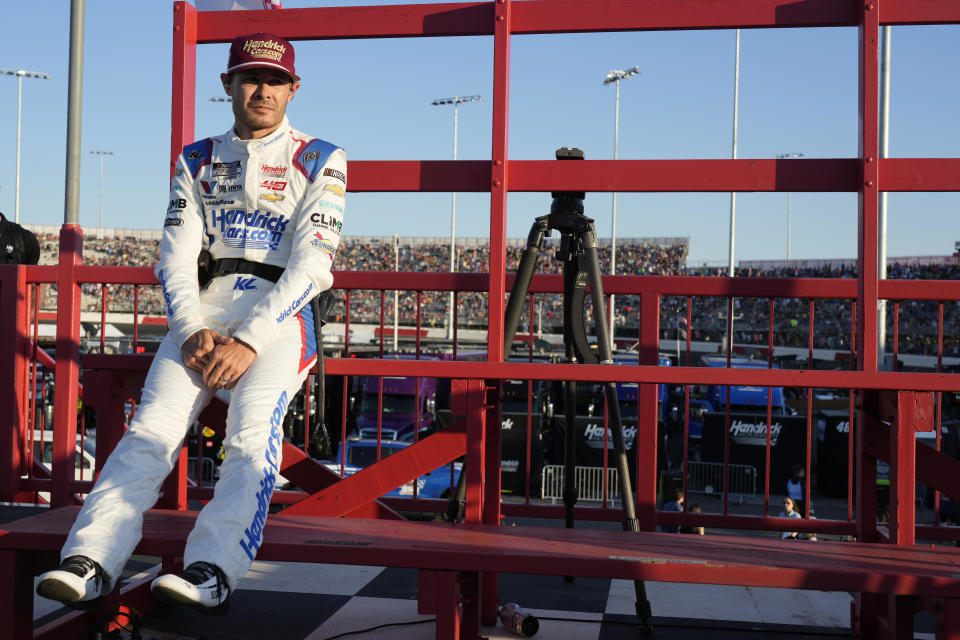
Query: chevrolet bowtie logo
[[272, 197]]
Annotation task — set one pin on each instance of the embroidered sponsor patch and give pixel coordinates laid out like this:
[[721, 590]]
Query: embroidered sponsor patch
[[226, 169], [271, 197], [249, 229], [326, 222], [333, 173], [273, 185], [334, 188], [277, 172], [244, 284], [323, 204], [323, 244], [295, 304], [253, 534]]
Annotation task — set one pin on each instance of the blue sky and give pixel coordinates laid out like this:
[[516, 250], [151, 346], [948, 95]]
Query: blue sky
[[797, 94]]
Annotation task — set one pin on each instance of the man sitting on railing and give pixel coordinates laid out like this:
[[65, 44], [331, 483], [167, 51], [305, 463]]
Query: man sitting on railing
[[269, 200]]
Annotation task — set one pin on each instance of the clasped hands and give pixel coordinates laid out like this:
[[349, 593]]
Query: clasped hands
[[220, 359]]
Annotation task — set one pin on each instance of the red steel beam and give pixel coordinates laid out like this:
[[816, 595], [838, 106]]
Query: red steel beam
[[557, 16], [902, 12], [868, 201], [13, 352], [370, 483], [903, 444], [67, 369], [500, 178], [331, 23], [820, 288], [838, 174], [758, 174], [532, 17], [184, 91], [647, 374], [920, 174], [563, 16]]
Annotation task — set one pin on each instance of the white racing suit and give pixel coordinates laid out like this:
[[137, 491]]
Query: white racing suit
[[276, 200]]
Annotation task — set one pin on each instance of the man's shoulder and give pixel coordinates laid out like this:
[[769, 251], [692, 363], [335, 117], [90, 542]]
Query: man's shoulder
[[198, 153], [311, 154]]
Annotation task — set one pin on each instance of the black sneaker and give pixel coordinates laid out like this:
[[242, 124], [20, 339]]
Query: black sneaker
[[78, 583], [202, 586]]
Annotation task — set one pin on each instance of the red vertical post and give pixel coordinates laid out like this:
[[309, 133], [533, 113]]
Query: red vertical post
[[472, 394], [181, 133], [867, 606], [67, 369], [16, 595], [184, 78], [491, 490], [903, 452], [476, 468], [13, 378], [867, 252], [646, 442], [498, 180], [497, 286]]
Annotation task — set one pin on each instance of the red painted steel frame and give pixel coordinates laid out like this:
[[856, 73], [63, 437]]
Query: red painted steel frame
[[866, 175]]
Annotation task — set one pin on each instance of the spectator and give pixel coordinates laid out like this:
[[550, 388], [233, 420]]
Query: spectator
[[789, 511], [795, 487], [695, 530], [674, 505]]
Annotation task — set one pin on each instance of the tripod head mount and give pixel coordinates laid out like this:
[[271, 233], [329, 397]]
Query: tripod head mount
[[566, 213], [568, 201]]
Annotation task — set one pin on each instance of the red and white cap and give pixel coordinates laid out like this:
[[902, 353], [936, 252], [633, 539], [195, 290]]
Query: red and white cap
[[262, 50]]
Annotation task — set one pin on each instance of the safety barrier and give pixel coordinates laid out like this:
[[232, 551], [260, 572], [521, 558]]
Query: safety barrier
[[591, 486], [709, 478]]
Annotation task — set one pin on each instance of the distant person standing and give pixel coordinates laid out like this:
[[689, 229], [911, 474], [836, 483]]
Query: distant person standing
[[795, 487], [17, 245]]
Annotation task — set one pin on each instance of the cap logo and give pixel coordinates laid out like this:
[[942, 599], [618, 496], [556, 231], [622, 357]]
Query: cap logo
[[265, 49]]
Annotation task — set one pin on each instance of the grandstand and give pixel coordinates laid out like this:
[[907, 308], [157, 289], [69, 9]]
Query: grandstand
[[917, 334]]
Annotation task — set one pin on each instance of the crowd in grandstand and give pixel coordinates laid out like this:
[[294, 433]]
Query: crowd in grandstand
[[918, 328]]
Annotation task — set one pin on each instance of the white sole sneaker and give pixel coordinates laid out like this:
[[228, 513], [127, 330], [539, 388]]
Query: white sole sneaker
[[78, 583], [201, 586]]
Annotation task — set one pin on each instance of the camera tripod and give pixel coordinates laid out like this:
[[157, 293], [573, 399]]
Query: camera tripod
[[578, 254]]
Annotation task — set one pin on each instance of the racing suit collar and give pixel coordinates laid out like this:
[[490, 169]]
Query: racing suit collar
[[255, 144]]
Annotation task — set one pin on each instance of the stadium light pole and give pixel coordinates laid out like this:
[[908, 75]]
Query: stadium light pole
[[781, 156], [882, 204], [21, 74], [101, 153], [733, 194], [615, 76], [456, 101], [396, 293]]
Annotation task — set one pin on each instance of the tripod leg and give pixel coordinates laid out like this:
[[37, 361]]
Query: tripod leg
[[570, 272], [457, 504], [630, 522], [518, 293]]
